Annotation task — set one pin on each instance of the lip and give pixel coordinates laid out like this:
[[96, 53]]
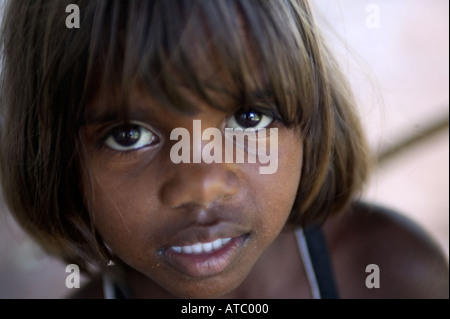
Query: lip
[[205, 264]]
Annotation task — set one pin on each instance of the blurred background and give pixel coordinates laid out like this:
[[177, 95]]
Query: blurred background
[[396, 54]]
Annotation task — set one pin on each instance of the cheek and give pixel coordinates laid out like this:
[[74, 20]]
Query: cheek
[[284, 182], [122, 209], [274, 194], [282, 186]]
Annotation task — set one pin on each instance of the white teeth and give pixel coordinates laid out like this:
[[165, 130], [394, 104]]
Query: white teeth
[[177, 249], [217, 244], [207, 248], [200, 248], [197, 248]]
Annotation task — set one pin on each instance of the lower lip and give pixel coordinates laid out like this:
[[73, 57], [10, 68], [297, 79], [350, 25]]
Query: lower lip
[[205, 264]]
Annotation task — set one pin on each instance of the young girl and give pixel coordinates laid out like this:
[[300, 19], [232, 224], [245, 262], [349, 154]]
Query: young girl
[[87, 116]]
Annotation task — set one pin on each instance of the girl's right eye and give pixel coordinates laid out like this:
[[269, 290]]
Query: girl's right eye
[[130, 137]]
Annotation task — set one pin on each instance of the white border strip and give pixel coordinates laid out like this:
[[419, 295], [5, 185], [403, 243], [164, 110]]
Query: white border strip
[[306, 258]]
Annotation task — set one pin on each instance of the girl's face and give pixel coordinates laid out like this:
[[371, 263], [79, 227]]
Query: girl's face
[[195, 229]]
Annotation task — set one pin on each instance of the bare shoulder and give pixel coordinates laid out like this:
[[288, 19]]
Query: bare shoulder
[[379, 253], [92, 289]]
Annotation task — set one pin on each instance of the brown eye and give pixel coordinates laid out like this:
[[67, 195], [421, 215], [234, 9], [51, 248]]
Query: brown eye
[[130, 137], [249, 119]]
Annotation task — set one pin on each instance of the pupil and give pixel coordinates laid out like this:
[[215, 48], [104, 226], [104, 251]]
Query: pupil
[[248, 119], [127, 136]]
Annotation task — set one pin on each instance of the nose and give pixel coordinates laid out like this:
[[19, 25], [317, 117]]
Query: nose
[[199, 184]]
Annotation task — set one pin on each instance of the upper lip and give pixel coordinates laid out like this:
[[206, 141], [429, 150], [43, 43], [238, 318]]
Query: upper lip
[[200, 225]]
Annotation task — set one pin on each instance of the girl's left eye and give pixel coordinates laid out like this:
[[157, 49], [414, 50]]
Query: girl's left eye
[[130, 137], [249, 119]]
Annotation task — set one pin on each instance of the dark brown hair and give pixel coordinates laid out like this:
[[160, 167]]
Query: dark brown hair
[[50, 73]]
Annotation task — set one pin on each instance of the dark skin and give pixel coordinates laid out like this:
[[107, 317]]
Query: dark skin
[[144, 204], [411, 264]]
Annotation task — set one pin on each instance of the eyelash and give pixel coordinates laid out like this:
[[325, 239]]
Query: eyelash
[[262, 108], [268, 109], [101, 145]]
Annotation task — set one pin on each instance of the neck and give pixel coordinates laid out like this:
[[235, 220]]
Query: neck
[[277, 274]]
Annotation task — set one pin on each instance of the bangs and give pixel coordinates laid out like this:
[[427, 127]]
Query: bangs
[[245, 50]]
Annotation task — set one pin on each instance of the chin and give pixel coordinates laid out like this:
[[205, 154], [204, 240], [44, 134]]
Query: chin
[[208, 288]]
